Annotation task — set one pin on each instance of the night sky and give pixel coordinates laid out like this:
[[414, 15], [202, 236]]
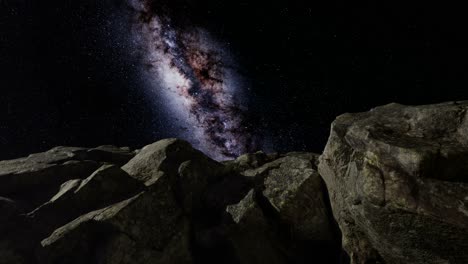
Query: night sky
[[76, 72]]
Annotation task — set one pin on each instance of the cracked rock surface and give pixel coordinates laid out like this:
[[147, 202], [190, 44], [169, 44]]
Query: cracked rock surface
[[398, 183]]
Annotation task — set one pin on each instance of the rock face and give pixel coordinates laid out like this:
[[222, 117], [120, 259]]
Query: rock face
[[35, 178], [284, 218], [167, 204], [28, 183], [390, 187], [398, 183], [107, 185]]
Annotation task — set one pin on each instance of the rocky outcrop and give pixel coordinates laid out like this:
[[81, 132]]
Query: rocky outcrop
[[107, 185], [150, 227], [285, 217], [168, 204], [27, 183], [32, 180], [398, 183], [390, 187]]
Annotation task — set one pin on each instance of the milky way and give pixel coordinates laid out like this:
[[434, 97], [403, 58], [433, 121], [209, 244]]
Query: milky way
[[198, 80]]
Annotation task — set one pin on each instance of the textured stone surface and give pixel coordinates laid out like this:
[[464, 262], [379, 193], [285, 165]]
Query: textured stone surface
[[168, 204], [285, 218], [8, 209], [107, 185], [146, 224], [151, 227], [110, 154], [398, 183], [396, 177], [36, 177], [252, 237], [297, 193], [162, 157], [250, 161]]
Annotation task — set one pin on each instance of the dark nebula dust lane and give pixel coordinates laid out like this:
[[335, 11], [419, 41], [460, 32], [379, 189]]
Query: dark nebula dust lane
[[198, 80]]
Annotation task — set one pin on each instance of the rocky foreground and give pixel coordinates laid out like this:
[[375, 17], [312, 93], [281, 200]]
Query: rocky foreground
[[390, 187]]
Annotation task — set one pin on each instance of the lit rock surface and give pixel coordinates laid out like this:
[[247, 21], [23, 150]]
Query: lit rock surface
[[398, 183]]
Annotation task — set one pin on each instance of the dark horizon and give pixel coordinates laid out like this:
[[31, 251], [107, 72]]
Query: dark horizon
[[71, 74]]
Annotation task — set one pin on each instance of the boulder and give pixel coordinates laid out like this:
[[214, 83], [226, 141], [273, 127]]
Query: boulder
[[398, 182]]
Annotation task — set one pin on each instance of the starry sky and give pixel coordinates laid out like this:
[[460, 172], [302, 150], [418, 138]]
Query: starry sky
[[229, 76]]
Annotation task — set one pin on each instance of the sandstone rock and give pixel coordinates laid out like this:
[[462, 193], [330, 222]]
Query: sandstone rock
[[398, 183]]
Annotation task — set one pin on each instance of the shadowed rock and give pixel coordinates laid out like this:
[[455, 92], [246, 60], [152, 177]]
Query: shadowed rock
[[162, 157], [35, 178], [110, 154], [154, 225], [396, 178], [252, 237], [146, 223], [398, 183], [285, 218], [297, 193], [108, 185]]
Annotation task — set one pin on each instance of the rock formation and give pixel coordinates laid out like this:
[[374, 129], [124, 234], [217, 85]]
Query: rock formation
[[167, 204], [398, 183], [390, 187]]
